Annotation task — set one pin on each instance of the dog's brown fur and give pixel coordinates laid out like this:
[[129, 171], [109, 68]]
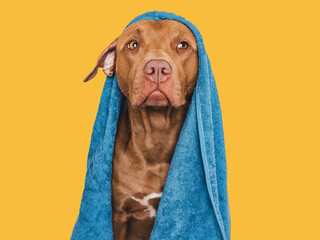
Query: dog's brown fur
[[149, 128]]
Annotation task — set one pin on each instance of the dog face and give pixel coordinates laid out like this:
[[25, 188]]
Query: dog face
[[156, 63]]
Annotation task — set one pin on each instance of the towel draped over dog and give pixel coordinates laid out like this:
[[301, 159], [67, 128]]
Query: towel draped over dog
[[194, 203]]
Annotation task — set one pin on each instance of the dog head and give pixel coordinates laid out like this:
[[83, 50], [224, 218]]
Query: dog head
[[156, 63]]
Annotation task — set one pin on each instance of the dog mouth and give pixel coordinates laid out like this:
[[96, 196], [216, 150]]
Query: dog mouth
[[156, 99]]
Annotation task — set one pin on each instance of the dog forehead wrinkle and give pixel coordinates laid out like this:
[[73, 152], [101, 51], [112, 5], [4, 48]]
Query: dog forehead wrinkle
[[136, 34], [138, 31]]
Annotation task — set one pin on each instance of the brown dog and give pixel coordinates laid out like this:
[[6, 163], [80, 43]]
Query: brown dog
[[156, 64]]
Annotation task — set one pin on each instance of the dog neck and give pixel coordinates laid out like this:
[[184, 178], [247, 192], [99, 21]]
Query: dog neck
[[154, 132]]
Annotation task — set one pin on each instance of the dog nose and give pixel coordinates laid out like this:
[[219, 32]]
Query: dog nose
[[157, 70]]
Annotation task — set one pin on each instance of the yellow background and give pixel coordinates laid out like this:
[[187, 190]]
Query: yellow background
[[265, 57]]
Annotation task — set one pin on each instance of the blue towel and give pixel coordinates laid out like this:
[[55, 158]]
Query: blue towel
[[194, 204]]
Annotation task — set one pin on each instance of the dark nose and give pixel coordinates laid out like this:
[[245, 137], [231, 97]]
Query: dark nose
[[157, 70]]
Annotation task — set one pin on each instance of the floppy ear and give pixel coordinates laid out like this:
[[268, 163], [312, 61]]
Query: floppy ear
[[106, 60]]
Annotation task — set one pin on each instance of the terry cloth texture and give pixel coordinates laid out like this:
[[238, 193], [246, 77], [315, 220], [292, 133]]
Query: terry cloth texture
[[194, 204]]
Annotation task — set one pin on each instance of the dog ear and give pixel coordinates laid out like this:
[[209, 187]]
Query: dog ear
[[106, 60]]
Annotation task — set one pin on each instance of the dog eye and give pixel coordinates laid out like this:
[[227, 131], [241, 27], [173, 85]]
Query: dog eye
[[183, 45], [133, 44]]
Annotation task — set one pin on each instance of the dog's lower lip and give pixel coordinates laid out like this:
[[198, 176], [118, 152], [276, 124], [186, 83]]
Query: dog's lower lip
[[156, 93], [156, 98]]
